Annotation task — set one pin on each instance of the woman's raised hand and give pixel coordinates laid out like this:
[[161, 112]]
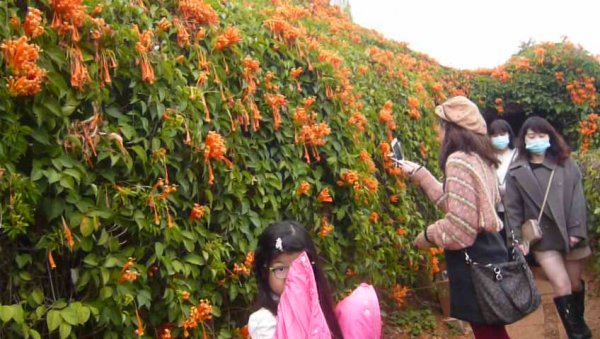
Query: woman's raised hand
[[408, 167]]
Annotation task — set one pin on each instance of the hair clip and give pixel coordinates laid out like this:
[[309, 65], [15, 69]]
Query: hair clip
[[279, 244]]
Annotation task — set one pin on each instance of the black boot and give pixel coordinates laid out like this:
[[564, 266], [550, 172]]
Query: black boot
[[572, 321], [579, 300]]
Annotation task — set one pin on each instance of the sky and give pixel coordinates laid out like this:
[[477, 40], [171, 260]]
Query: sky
[[471, 34]]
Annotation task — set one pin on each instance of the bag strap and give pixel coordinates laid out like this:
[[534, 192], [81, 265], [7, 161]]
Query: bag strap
[[545, 197]]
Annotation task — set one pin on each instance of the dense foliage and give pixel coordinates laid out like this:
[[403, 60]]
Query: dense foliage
[[146, 144]]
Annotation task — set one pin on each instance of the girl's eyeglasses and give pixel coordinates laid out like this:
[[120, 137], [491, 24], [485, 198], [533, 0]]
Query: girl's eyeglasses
[[280, 272]]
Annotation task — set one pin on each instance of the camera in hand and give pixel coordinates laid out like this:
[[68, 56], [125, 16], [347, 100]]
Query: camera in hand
[[397, 149]]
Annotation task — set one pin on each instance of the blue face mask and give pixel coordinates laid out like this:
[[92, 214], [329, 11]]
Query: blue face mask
[[501, 142], [537, 146]]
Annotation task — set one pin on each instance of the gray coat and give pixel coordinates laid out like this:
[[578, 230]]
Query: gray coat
[[565, 212]]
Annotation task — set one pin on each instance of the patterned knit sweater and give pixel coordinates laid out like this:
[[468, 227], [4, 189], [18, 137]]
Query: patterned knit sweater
[[469, 200]]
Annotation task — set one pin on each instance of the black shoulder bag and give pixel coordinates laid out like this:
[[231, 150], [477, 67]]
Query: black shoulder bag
[[506, 292]]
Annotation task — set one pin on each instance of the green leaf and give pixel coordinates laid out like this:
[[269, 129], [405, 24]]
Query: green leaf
[[6, 313], [159, 249], [38, 296], [83, 315], [86, 227], [69, 314], [194, 259], [65, 330], [53, 319]]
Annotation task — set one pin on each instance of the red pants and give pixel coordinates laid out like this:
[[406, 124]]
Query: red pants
[[489, 331]]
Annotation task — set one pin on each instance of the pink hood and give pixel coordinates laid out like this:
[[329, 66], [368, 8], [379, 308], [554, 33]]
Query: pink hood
[[299, 314]]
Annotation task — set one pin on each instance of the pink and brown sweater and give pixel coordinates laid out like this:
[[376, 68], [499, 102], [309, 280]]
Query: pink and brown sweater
[[469, 200]]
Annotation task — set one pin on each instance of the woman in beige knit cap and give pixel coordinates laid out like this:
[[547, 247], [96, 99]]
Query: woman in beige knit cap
[[468, 196]]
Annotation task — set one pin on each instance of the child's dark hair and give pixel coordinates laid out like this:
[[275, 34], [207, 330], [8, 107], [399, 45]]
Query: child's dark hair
[[294, 238], [501, 126], [558, 147]]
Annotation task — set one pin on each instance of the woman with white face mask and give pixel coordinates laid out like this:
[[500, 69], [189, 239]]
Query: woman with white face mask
[[543, 161]]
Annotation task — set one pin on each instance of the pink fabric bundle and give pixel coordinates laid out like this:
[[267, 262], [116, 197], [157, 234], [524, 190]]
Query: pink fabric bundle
[[299, 314]]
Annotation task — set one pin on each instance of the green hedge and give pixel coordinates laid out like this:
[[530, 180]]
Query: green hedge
[[109, 222]]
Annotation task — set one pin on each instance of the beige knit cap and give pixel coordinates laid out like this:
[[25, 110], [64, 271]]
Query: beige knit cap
[[462, 112]]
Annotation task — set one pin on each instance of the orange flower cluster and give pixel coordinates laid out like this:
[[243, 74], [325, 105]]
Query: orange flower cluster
[[540, 52], [79, 72], [228, 38], [127, 274], [393, 198], [362, 69], [285, 31], [400, 231], [251, 68], [583, 91], [560, 76], [413, 108], [324, 196], [522, 64], [386, 117], [215, 149], [51, 261], [423, 150], [303, 188], [295, 73], [143, 46], [365, 157], [198, 315], [183, 37], [33, 23], [371, 184], [140, 326], [245, 268], [68, 234], [501, 74], [349, 178], [326, 228], [374, 217], [197, 13], [399, 294], [313, 135], [588, 128], [331, 58], [105, 58], [499, 105], [276, 102], [197, 212], [21, 57], [359, 121], [69, 16], [162, 196], [435, 261]]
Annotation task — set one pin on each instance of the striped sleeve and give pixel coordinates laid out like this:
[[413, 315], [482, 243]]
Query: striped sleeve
[[430, 185], [459, 228]]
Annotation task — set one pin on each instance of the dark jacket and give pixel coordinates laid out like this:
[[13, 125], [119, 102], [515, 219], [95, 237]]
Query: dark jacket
[[565, 212]]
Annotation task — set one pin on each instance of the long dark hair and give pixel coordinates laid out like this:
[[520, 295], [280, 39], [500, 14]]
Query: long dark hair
[[458, 139], [559, 150], [294, 238], [501, 126]]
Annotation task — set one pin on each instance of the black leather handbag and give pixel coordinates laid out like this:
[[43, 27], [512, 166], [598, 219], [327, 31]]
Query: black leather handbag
[[506, 292]]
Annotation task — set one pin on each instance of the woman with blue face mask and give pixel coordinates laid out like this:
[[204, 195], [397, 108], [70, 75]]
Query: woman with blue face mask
[[544, 161], [502, 135]]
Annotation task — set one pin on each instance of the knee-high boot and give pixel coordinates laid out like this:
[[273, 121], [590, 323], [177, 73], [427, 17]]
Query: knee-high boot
[[579, 300], [572, 321]]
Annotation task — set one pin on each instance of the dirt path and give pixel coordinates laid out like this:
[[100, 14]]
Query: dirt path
[[544, 323]]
